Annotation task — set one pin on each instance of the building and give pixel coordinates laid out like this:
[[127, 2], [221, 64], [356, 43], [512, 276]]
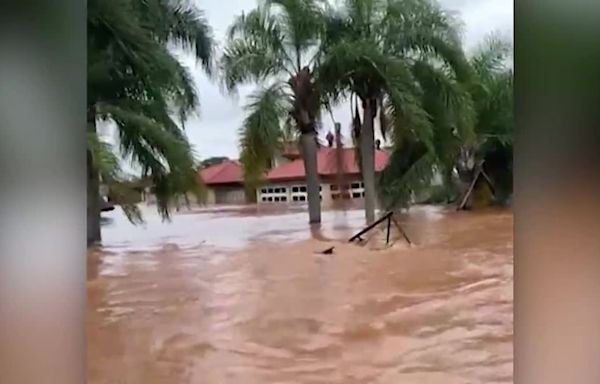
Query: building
[[287, 182], [224, 183]]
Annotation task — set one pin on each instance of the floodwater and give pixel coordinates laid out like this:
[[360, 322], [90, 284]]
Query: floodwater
[[239, 296]]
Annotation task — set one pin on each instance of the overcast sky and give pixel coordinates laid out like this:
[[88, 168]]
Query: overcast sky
[[215, 131]]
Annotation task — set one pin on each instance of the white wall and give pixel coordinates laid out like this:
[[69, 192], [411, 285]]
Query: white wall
[[295, 192]]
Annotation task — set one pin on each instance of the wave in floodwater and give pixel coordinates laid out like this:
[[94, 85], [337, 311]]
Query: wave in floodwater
[[234, 297]]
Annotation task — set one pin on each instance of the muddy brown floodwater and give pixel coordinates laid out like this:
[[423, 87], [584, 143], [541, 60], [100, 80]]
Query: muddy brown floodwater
[[239, 296]]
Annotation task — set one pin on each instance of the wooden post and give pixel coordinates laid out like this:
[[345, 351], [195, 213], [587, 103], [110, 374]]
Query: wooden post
[[387, 239], [371, 226], [390, 217], [469, 190], [479, 172], [401, 231]]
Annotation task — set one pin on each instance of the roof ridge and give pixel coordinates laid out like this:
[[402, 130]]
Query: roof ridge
[[221, 169]]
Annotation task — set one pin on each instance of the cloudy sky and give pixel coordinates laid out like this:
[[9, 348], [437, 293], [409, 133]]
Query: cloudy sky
[[214, 131]]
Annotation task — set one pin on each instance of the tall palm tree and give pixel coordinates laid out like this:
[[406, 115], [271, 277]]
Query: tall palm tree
[[135, 82], [276, 46], [384, 52]]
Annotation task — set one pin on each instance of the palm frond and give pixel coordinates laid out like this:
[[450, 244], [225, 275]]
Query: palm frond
[[127, 62], [422, 29], [257, 25], [302, 23], [365, 15], [383, 118], [122, 194], [189, 28], [107, 164], [261, 134], [104, 158], [165, 158], [243, 63], [492, 55], [492, 93], [254, 50], [409, 172], [181, 23], [447, 100], [349, 64]]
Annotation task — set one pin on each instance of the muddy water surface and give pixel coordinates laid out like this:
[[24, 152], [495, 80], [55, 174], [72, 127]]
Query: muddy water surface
[[238, 296]]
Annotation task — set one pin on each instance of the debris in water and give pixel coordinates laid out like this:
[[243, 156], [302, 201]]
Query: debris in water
[[328, 251]]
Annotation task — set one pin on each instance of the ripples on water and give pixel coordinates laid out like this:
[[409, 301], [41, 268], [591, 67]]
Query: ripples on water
[[230, 297]]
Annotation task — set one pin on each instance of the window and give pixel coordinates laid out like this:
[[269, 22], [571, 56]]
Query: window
[[298, 193], [334, 187], [355, 195], [355, 185], [274, 193]]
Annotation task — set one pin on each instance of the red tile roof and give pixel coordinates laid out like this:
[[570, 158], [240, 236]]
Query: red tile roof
[[327, 165], [227, 172]]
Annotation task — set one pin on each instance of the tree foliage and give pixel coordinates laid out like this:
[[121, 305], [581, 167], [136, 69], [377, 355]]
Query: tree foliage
[[493, 99], [135, 82], [261, 133], [276, 46], [477, 125], [404, 59]]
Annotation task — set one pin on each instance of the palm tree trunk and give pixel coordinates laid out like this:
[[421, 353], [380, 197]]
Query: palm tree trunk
[[367, 153], [93, 193], [308, 142]]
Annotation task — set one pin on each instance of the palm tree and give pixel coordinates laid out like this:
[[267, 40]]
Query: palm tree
[[136, 83], [478, 128], [386, 53], [276, 45], [492, 94]]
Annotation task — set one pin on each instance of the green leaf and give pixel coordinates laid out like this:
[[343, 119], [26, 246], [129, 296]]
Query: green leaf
[[261, 134]]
